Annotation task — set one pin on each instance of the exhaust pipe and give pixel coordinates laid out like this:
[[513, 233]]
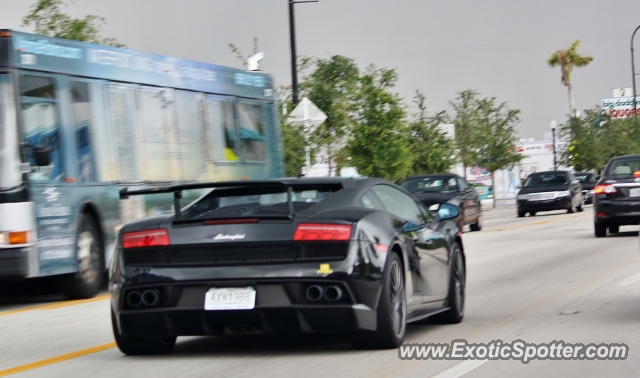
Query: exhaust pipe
[[134, 299], [150, 298], [314, 293], [333, 294]]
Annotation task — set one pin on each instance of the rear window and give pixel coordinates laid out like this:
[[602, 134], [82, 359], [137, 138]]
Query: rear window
[[546, 179], [623, 168], [431, 185], [585, 178], [252, 202]]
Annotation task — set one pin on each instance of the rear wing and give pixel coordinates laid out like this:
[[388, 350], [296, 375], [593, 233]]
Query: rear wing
[[287, 185]]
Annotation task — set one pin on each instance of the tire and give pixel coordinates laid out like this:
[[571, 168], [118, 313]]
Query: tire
[[521, 214], [456, 295], [392, 312], [614, 229], [571, 210], [141, 345], [580, 207], [532, 213], [86, 282], [600, 229], [478, 225]]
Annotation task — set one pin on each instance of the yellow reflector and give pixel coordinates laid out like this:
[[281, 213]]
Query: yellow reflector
[[18, 237]]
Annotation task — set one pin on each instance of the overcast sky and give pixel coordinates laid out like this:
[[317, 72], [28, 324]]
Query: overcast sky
[[498, 47]]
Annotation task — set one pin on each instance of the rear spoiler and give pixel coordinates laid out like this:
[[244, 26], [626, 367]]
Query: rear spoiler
[[274, 184]]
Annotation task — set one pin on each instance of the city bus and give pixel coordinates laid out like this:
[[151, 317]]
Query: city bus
[[79, 122]]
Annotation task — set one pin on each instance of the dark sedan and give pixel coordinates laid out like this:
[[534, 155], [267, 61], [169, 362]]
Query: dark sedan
[[550, 190], [617, 195], [333, 255], [435, 189], [588, 182]]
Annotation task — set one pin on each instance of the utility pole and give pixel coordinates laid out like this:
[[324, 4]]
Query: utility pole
[[294, 55]]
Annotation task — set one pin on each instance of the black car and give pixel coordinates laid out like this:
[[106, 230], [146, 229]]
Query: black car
[[339, 255], [550, 190], [433, 189], [617, 195], [588, 182]]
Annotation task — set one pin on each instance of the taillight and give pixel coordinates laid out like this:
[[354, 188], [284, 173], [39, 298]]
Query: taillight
[[313, 231], [149, 238], [605, 189]]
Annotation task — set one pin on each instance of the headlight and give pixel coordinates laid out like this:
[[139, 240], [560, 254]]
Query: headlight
[[522, 196], [563, 193]]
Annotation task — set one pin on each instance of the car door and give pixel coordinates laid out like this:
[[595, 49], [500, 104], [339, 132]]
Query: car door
[[426, 248], [469, 201], [576, 189]]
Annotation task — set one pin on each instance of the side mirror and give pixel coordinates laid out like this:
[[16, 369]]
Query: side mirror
[[448, 211], [434, 207], [42, 155]]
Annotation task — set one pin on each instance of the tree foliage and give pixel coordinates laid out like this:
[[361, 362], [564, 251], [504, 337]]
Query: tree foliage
[[47, 18], [465, 120], [594, 137], [378, 144], [332, 86], [566, 59], [432, 149]]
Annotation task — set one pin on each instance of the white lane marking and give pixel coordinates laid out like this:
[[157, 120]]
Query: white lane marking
[[460, 369], [629, 280]]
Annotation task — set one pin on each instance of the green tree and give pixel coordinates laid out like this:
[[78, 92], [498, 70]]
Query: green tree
[[497, 140], [331, 86], [465, 120], [432, 149], [47, 18], [378, 145], [239, 54], [566, 59], [594, 137]]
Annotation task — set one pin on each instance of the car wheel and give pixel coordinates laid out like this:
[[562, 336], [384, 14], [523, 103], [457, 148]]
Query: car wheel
[[521, 214], [86, 282], [571, 210], [600, 229], [614, 229], [478, 225], [141, 345], [392, 312], [580, 207], [532, 213], [456, 296]]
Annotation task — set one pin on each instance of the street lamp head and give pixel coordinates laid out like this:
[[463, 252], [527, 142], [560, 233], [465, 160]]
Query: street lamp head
[[553, 124]]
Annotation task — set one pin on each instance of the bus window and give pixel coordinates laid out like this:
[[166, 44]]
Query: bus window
[[251, 125], [190, 131], [224, 138], [41, 125], [124, 141], [84, 131], [160, 139]]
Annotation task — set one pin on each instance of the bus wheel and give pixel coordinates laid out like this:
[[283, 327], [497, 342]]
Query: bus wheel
[[86, 282]]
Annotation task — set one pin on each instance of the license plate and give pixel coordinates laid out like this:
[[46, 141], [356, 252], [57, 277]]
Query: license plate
[[634, 192], [230, 298]]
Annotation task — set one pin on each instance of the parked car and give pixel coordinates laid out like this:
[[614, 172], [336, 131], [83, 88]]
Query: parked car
[[588, 182], [617, 195], [550, 190], [434, 189], [358, 256]]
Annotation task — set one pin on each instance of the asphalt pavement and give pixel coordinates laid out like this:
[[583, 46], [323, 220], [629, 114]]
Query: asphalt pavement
[[537, 279]]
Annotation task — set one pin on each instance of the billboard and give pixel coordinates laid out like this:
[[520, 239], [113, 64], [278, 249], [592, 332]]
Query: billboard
[[620, 107]]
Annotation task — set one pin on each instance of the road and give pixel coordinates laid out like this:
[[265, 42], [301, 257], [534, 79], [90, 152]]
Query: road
[[523, 274]]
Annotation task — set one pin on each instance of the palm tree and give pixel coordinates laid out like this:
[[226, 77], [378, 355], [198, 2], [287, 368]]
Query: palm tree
[[566, 59]]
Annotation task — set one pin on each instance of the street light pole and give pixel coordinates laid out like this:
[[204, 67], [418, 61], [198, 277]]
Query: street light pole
[[292, 37], [553, 141], [633, 72]]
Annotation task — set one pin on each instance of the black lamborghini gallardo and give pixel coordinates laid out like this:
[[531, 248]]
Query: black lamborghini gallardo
[[334, 255]]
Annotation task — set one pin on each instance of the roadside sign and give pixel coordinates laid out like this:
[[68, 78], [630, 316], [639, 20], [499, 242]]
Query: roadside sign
[[308, 114], [622, 92]]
